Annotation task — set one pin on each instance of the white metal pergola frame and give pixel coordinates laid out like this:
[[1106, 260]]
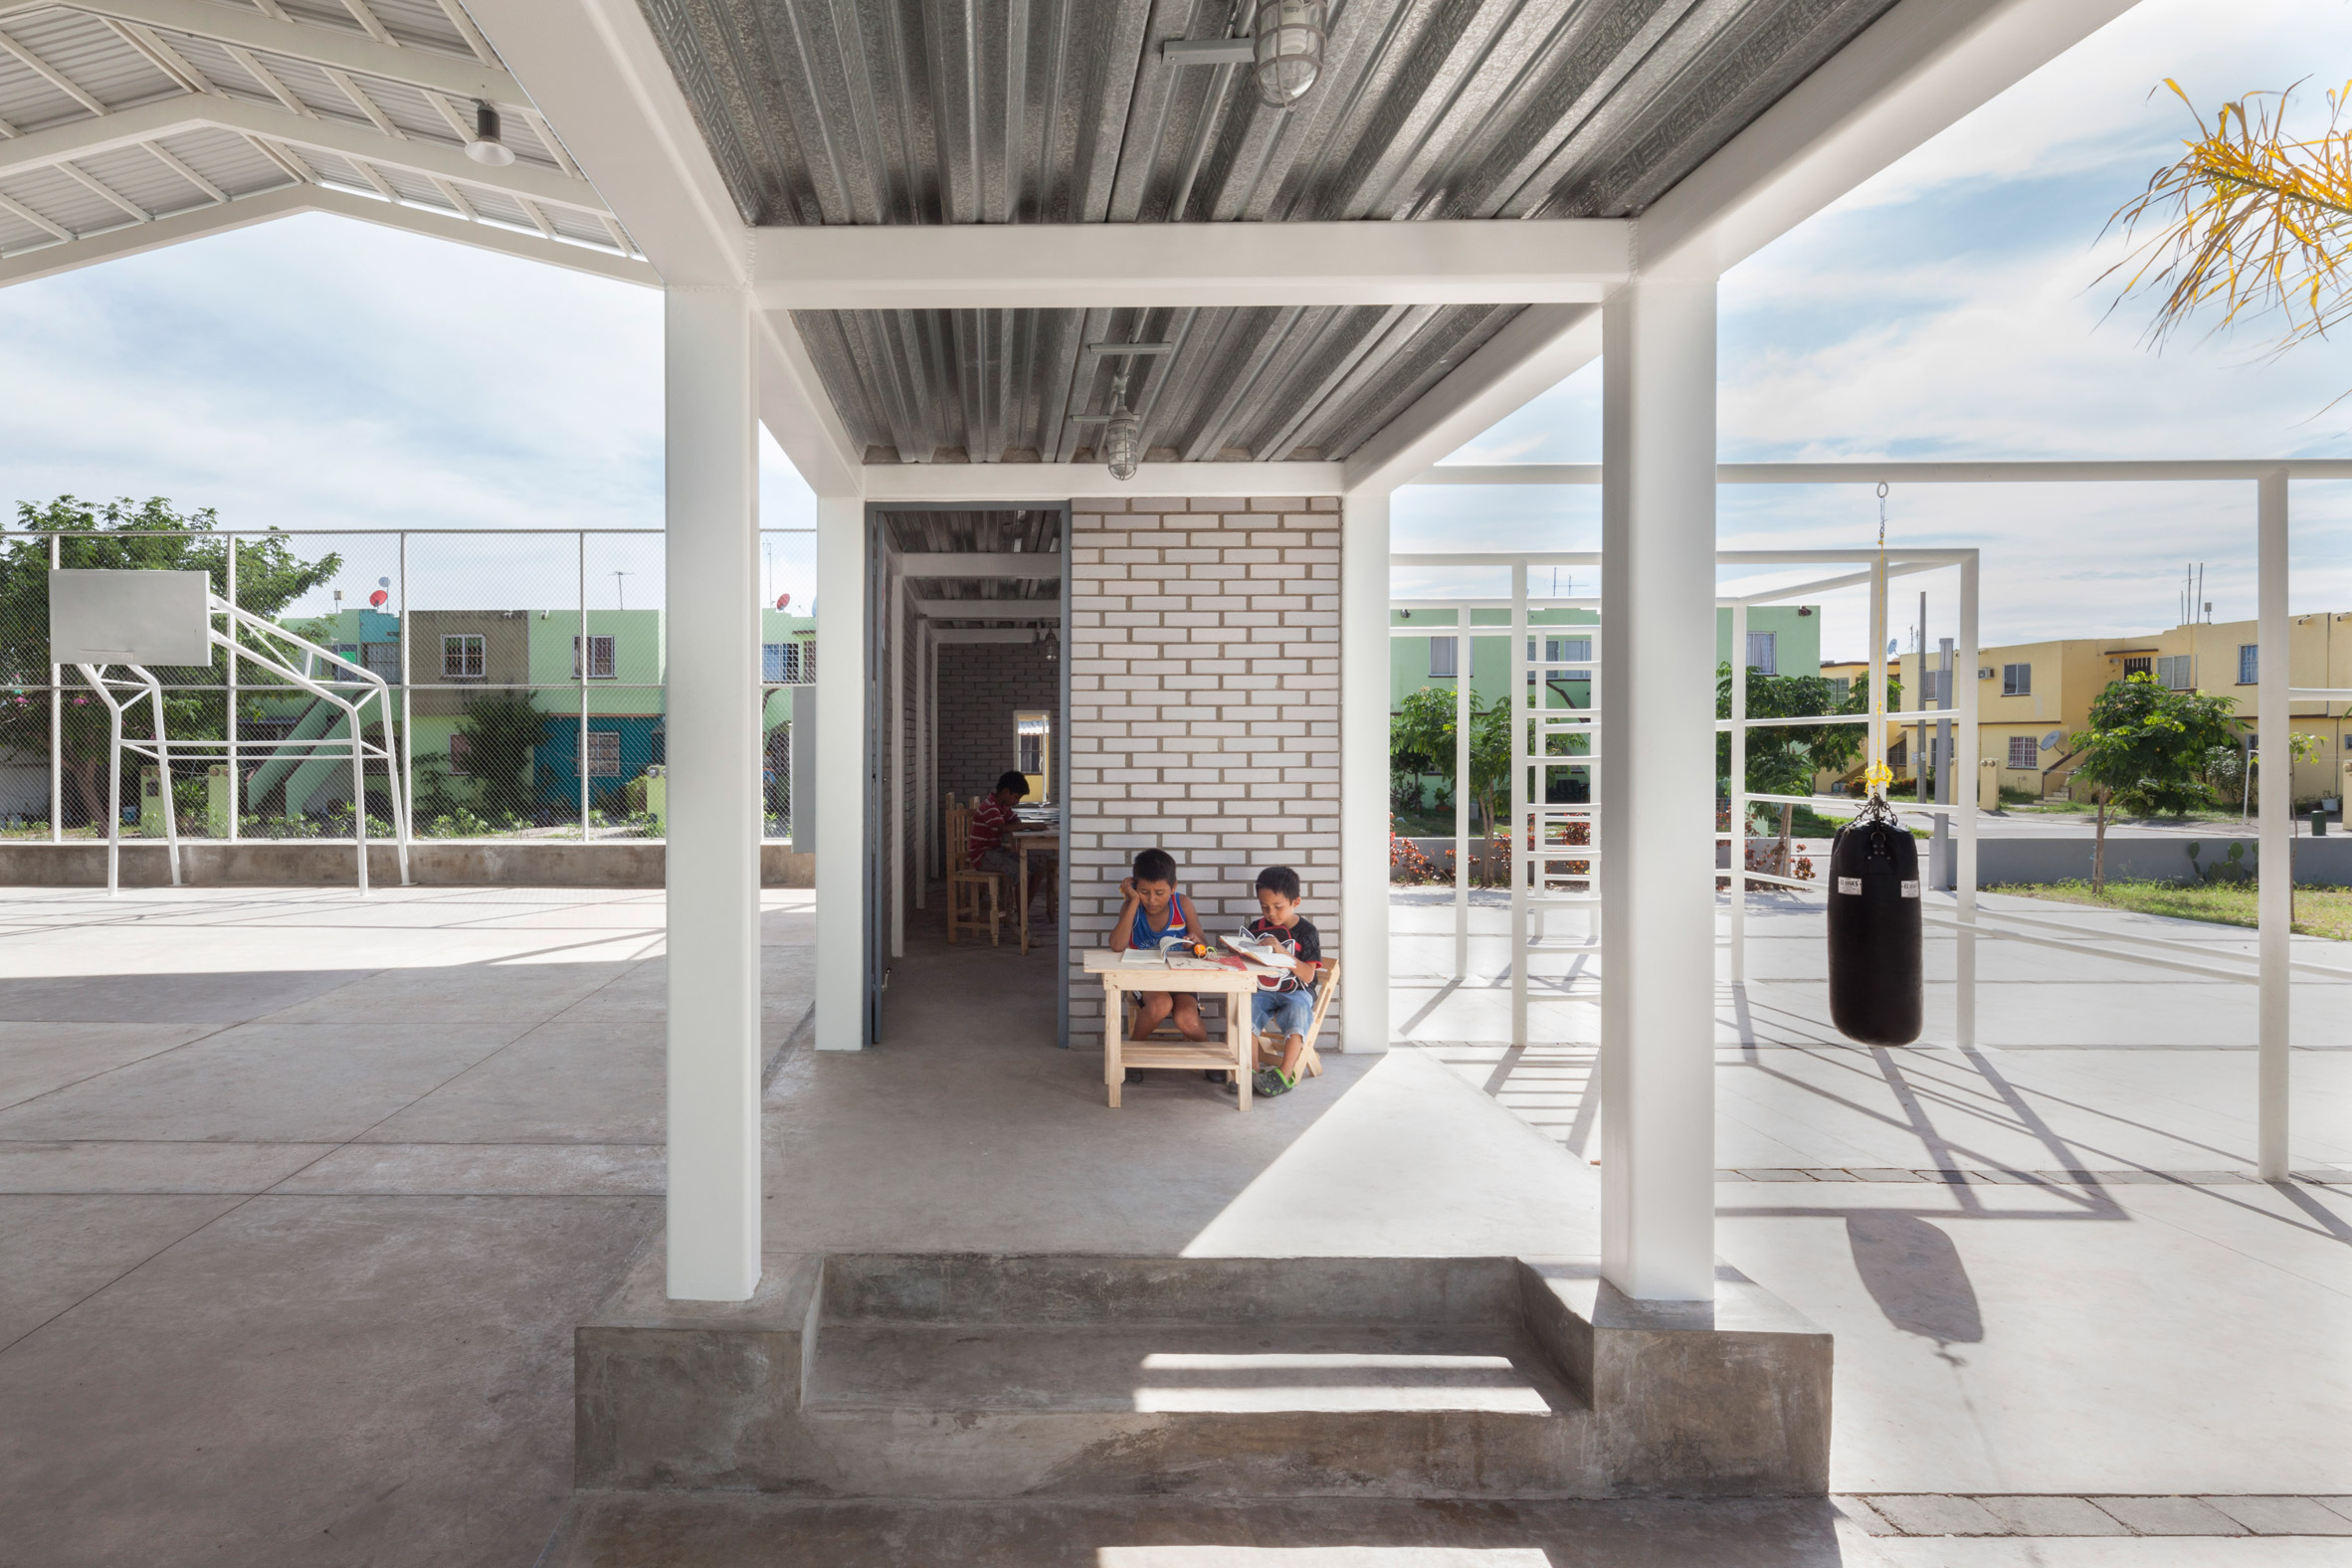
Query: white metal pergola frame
[[354, 745]]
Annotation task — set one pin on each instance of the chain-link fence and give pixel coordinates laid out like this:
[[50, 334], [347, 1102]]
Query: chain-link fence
[[527, 672]]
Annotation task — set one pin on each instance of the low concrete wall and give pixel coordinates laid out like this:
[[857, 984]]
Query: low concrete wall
[[2050, 857], [436, 863]]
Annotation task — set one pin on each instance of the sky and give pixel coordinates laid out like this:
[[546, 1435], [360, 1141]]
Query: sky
[[321, 374]]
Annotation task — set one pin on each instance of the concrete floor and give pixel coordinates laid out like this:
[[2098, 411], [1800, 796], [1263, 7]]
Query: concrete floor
[[300, 1194]]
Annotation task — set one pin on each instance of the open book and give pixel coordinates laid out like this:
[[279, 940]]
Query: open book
[[1264, 954]]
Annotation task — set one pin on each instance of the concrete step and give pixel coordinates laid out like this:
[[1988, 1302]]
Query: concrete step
[[992, 1376]]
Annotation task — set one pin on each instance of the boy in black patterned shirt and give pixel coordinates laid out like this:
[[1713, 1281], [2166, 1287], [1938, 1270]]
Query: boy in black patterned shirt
[[1284, 1000]]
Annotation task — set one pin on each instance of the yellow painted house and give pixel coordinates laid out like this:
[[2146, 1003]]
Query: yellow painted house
[[2032, 697]]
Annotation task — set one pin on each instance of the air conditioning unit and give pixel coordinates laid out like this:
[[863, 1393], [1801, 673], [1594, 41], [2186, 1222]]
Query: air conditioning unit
[[1984, 674]]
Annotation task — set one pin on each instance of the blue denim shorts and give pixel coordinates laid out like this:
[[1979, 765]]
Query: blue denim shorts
[[1287, 1011]]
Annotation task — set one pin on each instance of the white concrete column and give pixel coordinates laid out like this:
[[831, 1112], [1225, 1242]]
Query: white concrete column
[[712, 861], [1363, 767], [1657, 634], [2273, 908], [841, 773]]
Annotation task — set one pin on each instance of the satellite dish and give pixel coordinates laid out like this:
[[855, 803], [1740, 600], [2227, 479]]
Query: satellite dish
[[2050, 740], [377, 598], [782, 600], [383, 582], [1894, 643]]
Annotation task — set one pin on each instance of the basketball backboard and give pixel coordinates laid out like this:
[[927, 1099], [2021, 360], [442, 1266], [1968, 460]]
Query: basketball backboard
[[129, 618]]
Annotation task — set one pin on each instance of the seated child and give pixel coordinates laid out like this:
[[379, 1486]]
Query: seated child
[[991, 847], [1152, 911], [1284, 1001]]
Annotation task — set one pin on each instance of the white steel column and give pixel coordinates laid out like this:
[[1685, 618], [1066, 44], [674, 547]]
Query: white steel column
[[1461, 790], [1519, 752], [1657, 634], [2273, 908], [714, 697], [896, 665], [1965, 791], [57, 720], [922, 763], [841, 773], [1736, 789], [1363, 766]]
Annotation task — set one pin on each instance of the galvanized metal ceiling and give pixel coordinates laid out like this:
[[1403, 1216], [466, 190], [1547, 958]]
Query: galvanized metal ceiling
[[934, 111], [62, 67], [994, 600]]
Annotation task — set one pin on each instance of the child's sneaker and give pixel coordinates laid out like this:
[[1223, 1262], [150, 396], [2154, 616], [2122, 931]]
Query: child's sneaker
[[1270, 1082]]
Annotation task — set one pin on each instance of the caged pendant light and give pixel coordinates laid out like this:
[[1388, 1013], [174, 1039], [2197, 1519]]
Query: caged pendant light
[[1122, 433], [1288, 37]]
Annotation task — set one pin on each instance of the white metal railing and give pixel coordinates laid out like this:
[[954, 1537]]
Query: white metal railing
[[2272, 478]]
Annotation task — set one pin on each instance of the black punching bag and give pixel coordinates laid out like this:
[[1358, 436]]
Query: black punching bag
[[1875, 964]]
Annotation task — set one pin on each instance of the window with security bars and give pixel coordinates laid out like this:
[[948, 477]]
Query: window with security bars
[[1764, 653], [2016, 679], [1444, 658], [2175, 670], [382, 659], [604, 754], [2249, 664], [1560, 651], [461, 656], [2024, 751], [600, 658], [1841, 685], [460, 747], [779, 662]]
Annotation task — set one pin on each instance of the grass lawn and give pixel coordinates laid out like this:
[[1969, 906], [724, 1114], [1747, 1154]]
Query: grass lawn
[[2319, 911]]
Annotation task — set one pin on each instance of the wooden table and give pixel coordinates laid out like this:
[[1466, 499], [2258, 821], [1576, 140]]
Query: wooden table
[[1025, 842], [1235, 1053]]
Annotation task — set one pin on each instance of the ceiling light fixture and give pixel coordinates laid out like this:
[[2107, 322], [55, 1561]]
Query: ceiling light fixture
[[486, 147], [1287, 38], [1122, 433]]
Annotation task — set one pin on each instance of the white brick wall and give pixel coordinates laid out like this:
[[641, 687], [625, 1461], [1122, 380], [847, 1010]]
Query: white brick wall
[[1204, 710]]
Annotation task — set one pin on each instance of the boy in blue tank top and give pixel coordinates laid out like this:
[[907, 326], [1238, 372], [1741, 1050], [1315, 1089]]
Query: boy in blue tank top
[[1152, 911]]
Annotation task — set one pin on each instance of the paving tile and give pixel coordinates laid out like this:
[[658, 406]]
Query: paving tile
[[38, 1057], [2032, 1515], [150, 1165], [2342, 1505], [2171, 1516], [1938, 1514], [2283, 1515], [225, 997], [62, 1248], [544, 1169], [1886, 1174], [1775, 1173], [1869, 1519]]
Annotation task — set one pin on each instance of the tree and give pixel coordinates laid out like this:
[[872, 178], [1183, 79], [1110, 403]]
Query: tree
[[1783, 759], [2248, 221], [2145, 749], [498, 730], [116, 535], [1423, 727]]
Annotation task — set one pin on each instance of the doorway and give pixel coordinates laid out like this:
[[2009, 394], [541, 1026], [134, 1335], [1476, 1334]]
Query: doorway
[[966, 685]]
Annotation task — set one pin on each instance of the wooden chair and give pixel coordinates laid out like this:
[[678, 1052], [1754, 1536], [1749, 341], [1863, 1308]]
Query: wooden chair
[[965, 884], [1310, 1064]]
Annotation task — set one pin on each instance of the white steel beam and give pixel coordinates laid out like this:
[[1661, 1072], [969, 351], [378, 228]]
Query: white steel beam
[[601, 80], [1536, 351], [711, 550], [134, 238], [319, 46], [2117, 471], [1657, 864], [974, 484], [1007, 266], [983, 634], [174, 116], [1034, 568]]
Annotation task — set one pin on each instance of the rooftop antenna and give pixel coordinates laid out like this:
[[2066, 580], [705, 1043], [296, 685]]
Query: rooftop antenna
[[618, 596]]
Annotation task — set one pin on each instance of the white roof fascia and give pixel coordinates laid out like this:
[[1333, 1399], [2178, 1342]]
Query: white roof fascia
[[1014, 266], [1536, 351], [599, 77], [983, 634], [953, 484], [321, 46], [345, 138], [1911, 74], [220, 218]]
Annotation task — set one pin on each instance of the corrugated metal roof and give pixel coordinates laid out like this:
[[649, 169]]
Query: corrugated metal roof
[[108, 63], [1033, 531], [929, 112]]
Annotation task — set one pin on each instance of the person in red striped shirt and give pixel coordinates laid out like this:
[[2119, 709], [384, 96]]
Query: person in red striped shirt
[[990, 847]]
